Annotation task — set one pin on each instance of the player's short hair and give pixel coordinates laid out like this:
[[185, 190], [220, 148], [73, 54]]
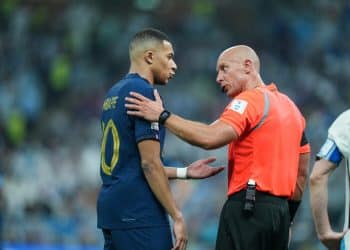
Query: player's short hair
[[146, 39]]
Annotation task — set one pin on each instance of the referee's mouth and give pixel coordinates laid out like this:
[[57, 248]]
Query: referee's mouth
[[224, 89]]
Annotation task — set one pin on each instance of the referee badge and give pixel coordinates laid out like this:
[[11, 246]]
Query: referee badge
[[239, 105]]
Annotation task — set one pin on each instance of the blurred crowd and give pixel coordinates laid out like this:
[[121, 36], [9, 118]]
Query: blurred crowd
[[59, 57]]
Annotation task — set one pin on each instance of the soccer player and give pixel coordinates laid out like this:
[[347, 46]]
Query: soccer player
[[335, 150], [268, 153], [135, 198]]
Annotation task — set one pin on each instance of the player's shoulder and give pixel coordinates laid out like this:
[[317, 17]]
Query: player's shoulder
[[135, 80], [339, 132], [132, 82], [341, 123], [344, 117]]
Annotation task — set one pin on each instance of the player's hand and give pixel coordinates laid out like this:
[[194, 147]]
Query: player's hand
[[144, 107], [200, 169], [332, 239], [180, 233]]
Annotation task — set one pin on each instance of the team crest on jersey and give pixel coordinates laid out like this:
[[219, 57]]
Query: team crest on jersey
[[155, 126], [239, 105]]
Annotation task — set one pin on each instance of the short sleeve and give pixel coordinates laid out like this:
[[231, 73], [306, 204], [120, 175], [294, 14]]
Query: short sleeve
[[339, 132], [145, 130], [330, 152], [244, 111], [304, 144]]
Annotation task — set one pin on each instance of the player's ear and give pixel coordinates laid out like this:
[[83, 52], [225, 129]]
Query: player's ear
[[148, 56]]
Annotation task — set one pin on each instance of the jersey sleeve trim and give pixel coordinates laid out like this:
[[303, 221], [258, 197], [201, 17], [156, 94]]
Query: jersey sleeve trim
[[338, 132], [305, 149], [330, 152], [147, 137], [304, 139], [234, 126]]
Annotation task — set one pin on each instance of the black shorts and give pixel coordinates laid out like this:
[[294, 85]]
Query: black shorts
[[266, 229]]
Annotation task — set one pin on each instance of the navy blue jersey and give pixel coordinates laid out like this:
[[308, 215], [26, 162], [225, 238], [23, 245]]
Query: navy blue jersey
[[125, 199]]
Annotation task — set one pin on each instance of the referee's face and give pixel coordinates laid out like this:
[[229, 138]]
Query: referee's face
[[164, 66], [230, 76]]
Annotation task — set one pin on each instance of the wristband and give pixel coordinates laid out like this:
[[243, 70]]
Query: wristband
[[293, 207], [163, 116], [181, 173]]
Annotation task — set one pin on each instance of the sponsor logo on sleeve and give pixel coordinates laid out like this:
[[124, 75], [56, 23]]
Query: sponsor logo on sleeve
[[239, 105]]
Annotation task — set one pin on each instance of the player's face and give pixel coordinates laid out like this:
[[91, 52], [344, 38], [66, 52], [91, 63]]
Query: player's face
[[164, 66], [231, 75]]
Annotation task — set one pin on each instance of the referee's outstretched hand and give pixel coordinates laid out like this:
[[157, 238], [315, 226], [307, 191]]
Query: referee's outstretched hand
[[200, 169]]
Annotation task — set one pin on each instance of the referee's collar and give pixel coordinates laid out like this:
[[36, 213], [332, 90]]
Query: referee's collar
[[272, 87]]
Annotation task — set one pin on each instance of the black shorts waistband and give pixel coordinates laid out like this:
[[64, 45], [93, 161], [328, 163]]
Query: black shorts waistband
[[259, 197]]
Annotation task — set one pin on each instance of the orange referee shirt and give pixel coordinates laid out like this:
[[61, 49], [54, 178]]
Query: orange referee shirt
[[268, 154]]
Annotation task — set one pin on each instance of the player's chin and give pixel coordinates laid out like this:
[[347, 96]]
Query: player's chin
[[161, 82]]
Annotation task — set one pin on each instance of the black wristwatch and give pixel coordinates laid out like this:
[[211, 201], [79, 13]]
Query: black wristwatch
[[163, 116]]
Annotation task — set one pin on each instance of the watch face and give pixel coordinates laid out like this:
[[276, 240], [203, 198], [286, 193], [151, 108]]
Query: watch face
[[164, 116]]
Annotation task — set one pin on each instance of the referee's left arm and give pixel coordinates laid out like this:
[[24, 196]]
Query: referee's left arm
[[303, 172]]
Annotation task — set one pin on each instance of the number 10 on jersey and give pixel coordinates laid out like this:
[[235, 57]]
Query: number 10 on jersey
[[107, 129]]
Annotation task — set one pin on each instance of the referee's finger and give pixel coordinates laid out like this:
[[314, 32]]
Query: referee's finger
[[137, 113], [133, 100], [138, 96], [156, 95], [132, 106]]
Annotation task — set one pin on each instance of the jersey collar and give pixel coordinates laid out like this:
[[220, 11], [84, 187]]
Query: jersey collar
[[132, 75], [135, 75], [272, 87]]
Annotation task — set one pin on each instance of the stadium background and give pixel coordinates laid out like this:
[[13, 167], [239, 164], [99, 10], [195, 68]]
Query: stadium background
[[58, 58]]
